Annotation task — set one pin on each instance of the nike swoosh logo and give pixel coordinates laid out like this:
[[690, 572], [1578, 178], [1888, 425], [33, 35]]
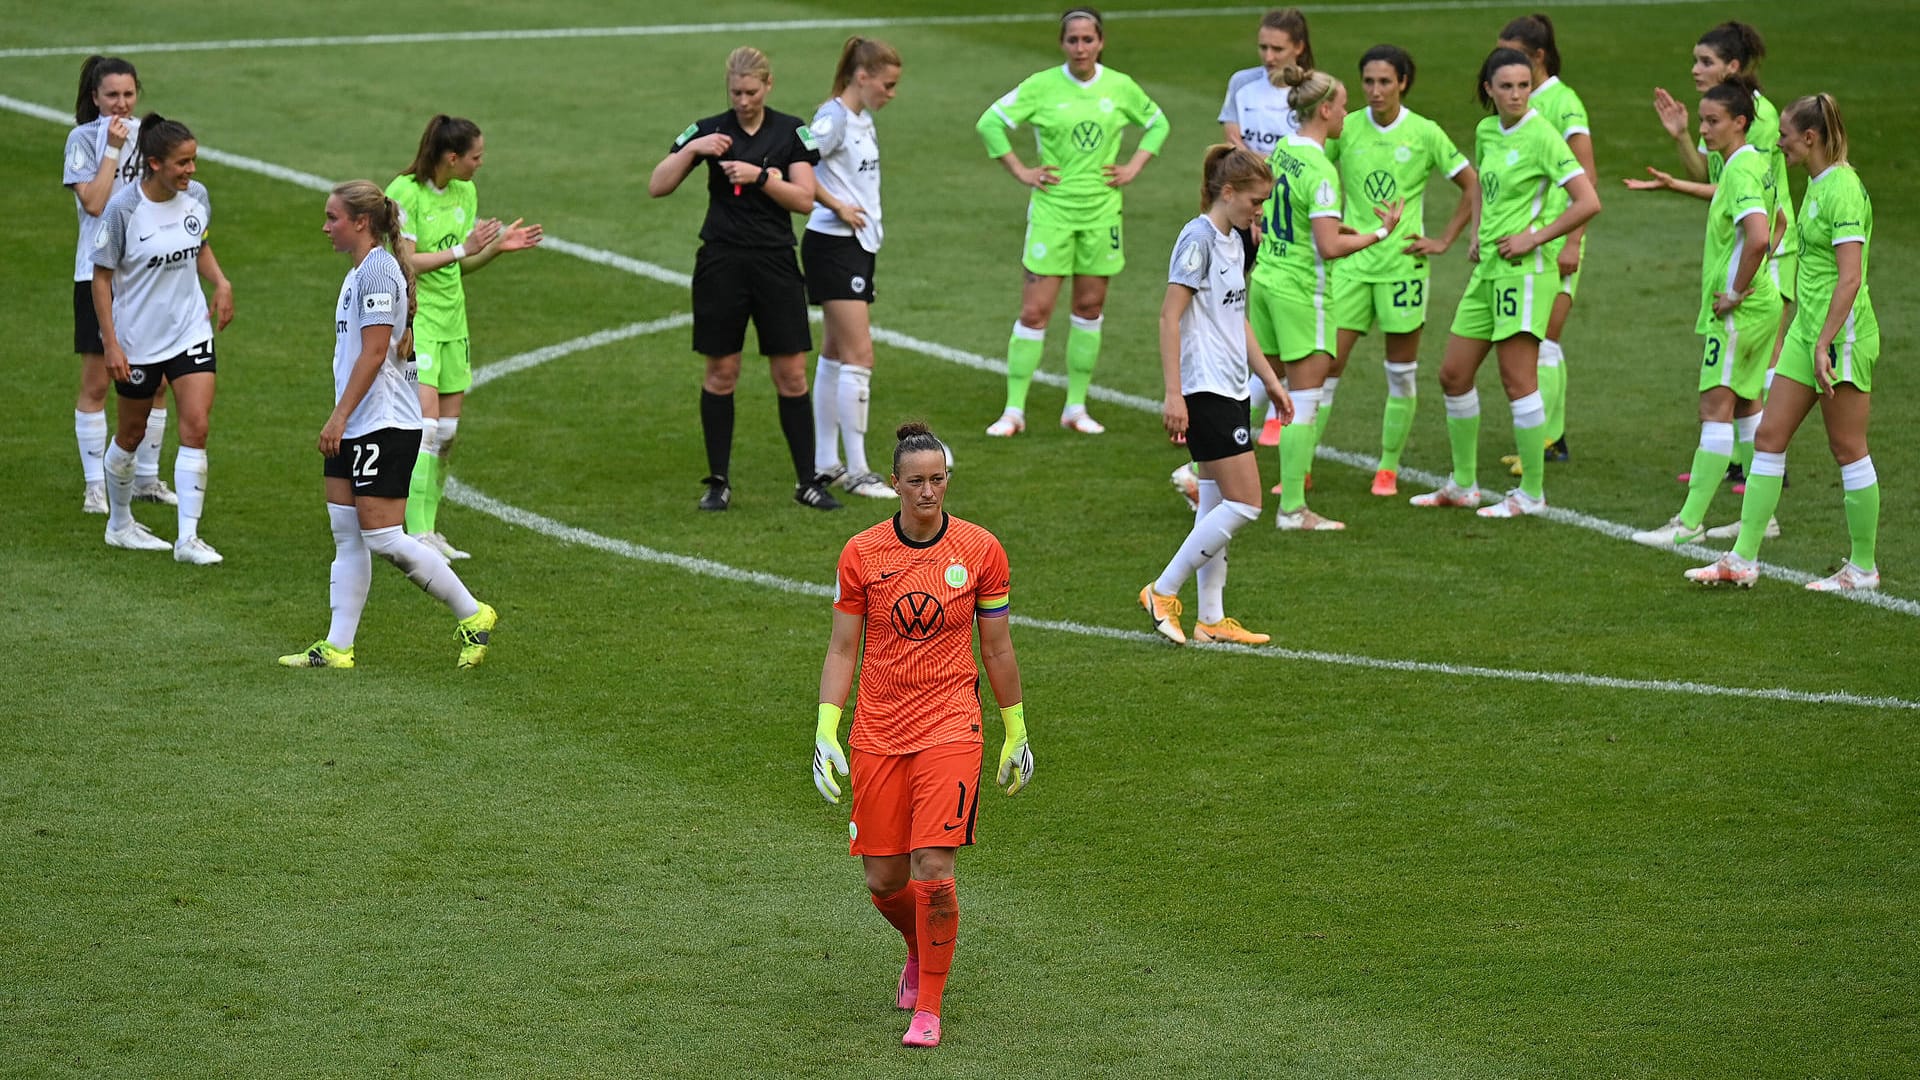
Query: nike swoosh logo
[[939, 944], [885, 574], [949, 828], [201, 359], [148, 237], [363, 483]]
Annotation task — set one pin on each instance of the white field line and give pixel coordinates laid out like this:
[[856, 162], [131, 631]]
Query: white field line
[[964, 358], [468, 496], [770, 26]]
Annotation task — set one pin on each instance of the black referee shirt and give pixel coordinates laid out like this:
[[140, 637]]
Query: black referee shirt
[[744, 216]]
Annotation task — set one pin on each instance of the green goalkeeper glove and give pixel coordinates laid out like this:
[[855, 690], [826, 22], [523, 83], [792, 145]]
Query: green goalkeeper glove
[[1016, 757], [827, 752]]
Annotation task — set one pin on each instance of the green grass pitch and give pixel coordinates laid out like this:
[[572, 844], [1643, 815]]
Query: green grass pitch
[[1431, 840]]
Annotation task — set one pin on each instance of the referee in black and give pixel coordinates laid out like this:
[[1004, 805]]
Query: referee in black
[[759, 173]]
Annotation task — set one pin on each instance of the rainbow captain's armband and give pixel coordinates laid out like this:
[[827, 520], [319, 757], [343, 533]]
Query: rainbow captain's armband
[[993, 607]]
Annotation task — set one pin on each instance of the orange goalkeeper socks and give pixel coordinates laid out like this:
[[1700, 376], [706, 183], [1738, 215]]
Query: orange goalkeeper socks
[[937, 912]]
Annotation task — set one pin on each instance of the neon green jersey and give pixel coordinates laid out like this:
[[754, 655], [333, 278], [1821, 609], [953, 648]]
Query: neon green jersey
[[1305, 186], [1835, 211], [1745, 188], [1520, 169], [1381, 164], [1077, 128], [1764, 136], [436, 221], [1563, 109]]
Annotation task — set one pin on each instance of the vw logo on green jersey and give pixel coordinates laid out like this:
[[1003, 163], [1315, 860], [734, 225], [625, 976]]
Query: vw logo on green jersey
[[1380, 186], [1087, 135], [1489, 187]]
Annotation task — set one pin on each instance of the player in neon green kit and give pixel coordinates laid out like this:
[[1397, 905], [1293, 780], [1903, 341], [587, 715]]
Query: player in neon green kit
[[1555, 100], [1387, 154], [1507, 301], [1077, 111], [1828, 357], [1732, 52], [1739, 307], [444, 239], [1290, 292]]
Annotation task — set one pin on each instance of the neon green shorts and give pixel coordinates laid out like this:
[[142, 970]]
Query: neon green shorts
[[1497, 308], [1093, 250], [1291, 320], [444, 365], [1853, 351], [1737, 351], [1397, 307], [1782, 268]]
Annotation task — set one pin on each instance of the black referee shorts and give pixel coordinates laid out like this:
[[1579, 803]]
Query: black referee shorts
[[734, 285], [1216, 427]]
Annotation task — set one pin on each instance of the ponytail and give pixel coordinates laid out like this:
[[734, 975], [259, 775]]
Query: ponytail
[[1535, 35], [1308, 89], [444, 135], [1820, 113], [1738, 43], [363, 199], [862, 54], [1230, 166], [159, 137], [93, 71], [915, 436]]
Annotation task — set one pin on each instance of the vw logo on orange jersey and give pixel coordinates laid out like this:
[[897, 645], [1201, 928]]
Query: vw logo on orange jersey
[[918, 616]]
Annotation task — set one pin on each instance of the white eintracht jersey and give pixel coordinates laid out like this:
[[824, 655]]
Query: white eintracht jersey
[[153, 248], [849, 169], [1213, 330], [85, 146], [375, 294], [1260, 108]]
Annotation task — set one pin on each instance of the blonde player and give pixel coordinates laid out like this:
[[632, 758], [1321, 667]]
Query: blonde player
[[1291, 287], [838, 251], [1828, 357], [370, 440], [1207, 354]]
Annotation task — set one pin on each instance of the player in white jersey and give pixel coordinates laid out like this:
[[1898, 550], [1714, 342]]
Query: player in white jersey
[[372, 438], [149, 253], [1256, 115], [102, 159], [838, 247], [1207, 353]]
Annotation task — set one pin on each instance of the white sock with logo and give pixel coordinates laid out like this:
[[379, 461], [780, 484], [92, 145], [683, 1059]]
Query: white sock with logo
[[351, 573], [117, 464], [190, 484], [90, 432], [826, 415], [423, 566], [852, 391], [146, 460]]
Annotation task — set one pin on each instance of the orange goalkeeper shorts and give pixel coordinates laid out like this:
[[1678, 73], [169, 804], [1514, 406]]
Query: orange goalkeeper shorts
[[926, 799]]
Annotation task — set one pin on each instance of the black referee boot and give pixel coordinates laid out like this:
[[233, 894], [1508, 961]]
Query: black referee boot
[[718, 495], [814, 493]]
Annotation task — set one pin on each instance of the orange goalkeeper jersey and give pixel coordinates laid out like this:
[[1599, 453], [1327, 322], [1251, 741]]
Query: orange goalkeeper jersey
[[919, 685]]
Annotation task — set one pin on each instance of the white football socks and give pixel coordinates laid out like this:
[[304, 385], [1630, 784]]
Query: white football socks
[[852, 391], [90, 433], [423, 566], [351, 573], [190, 484], [826, 421]]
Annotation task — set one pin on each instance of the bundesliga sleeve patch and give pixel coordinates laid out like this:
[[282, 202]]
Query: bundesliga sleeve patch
[[685, 135], [380, 303]]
